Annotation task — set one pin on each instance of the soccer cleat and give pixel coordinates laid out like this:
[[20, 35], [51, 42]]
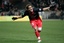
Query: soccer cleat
[[39, 41]]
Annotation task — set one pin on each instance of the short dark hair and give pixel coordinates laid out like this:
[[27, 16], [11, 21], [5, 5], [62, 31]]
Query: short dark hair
[[28, 6]]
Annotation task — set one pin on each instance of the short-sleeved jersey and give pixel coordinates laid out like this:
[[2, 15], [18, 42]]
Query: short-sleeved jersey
[[33, 15]]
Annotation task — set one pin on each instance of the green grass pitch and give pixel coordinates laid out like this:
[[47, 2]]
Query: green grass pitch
[[22, 32]]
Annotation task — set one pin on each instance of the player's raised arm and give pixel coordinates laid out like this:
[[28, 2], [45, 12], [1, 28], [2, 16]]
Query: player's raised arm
[[51, 5], [46, 8]]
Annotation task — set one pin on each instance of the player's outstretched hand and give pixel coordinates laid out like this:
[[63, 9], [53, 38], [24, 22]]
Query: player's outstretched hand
[[53, 4], [14, 18]]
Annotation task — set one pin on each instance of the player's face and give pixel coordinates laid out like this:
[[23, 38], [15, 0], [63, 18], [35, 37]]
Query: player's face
[[30, 8]]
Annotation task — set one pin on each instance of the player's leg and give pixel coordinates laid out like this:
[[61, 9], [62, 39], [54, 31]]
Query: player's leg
[[39, 26], [34, 25]]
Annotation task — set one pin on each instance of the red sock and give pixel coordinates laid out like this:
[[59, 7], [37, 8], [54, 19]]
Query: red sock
[[37, 34]]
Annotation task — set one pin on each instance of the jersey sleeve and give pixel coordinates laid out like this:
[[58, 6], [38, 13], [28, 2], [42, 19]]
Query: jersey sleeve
[[38, 9], [25, 13]]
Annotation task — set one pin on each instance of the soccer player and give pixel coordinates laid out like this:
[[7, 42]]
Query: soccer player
[[34, 18]]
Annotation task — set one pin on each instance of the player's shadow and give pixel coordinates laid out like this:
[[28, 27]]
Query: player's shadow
[[17, 41], [25, 41], [29, 41], [21, 41]]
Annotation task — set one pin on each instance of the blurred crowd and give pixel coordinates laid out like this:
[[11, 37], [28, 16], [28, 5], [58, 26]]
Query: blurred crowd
[[9, 7], [59, 4]]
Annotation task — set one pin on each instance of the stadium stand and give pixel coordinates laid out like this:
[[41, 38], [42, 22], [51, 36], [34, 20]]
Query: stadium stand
[[15, 7]]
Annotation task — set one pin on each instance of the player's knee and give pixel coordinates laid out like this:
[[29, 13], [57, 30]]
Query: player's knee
[[39, 29]]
